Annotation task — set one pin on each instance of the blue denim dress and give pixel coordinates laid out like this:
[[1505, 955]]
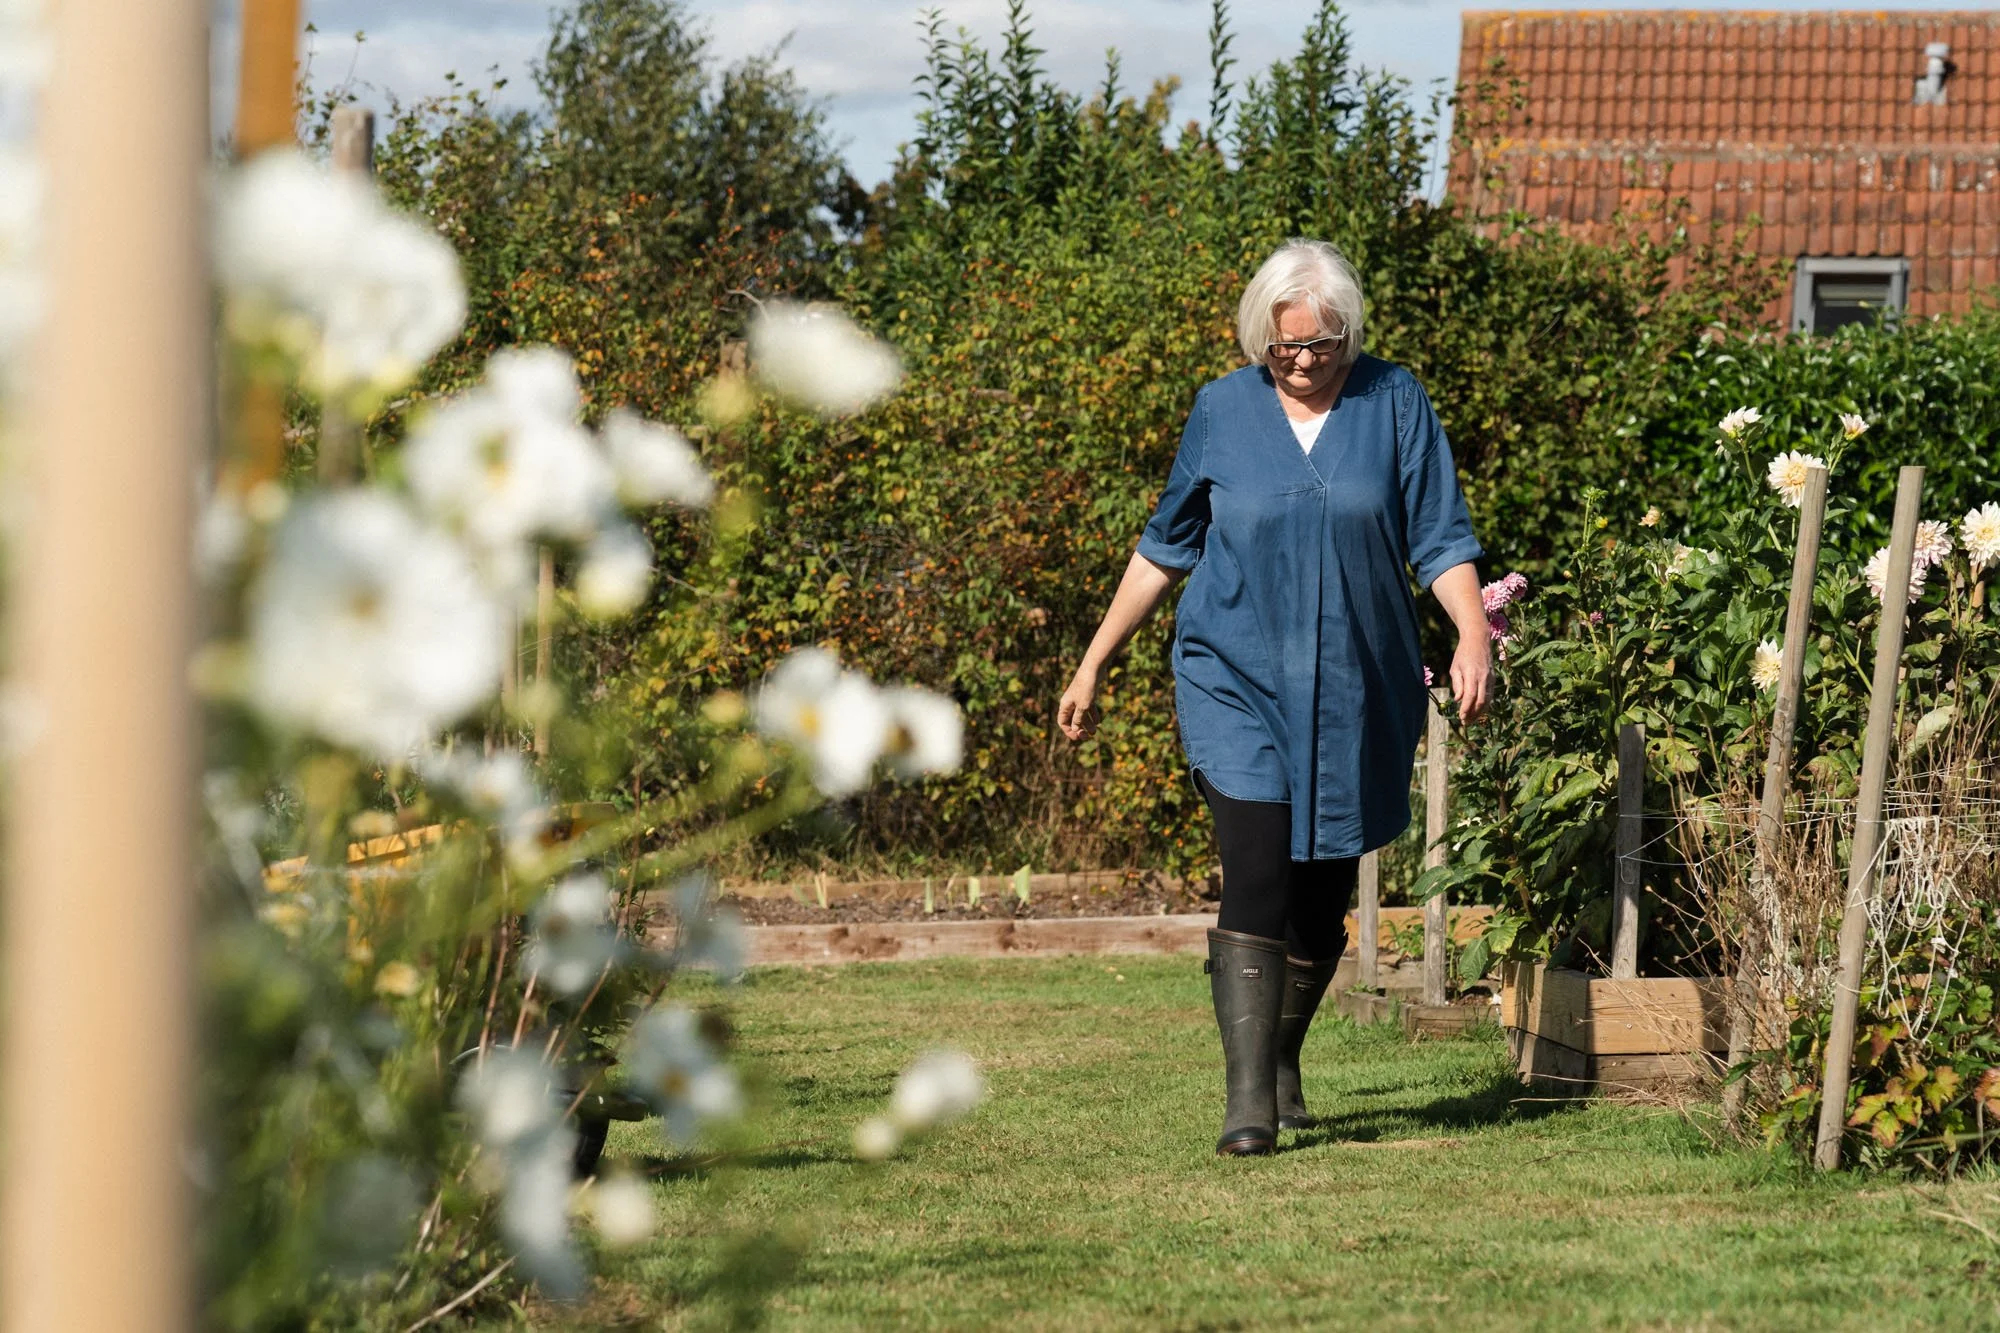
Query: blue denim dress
[[1296, 667]]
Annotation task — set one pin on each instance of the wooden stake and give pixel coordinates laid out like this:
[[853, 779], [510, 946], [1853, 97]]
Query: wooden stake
[[1437, 938], [1875, 754], [1631, 837], [1368, 889], [340, 444], [266, 111], [1746, 993], [95, 1218], [545, 617]]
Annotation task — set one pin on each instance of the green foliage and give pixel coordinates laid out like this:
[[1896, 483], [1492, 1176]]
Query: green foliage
[[1929, 389]]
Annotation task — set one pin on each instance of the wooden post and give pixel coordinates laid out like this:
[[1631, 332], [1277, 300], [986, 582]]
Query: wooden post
[[95, 1216], [1631, 837], [1437, 938], [1746, 994], [266, 110], [340, 443], [1875, 754], [1368, 892], [545, 615]]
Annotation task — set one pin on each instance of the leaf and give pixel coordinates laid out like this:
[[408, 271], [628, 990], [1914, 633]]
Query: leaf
[[1582, 785], [1928, 728], [1473, 960]]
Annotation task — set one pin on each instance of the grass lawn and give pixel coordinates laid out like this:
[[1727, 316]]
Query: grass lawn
[[1085, 1193]]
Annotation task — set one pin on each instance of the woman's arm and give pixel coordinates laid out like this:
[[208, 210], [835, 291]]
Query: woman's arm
[[1144, 586], [1457, 590]]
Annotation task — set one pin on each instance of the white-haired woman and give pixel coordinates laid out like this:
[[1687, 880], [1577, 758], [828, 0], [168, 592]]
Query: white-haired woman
[[1308, 486]]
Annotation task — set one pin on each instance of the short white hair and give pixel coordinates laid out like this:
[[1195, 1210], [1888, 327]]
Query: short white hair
[[1312, 272]]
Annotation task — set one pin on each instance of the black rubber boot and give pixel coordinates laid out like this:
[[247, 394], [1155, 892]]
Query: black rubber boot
[[1247, 979], [1305, 986]]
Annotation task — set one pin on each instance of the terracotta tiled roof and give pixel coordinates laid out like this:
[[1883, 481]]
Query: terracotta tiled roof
[[1805, 122]]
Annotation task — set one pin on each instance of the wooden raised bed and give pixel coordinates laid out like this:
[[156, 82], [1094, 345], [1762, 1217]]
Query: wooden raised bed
[[1582, 1034], [916, 941]]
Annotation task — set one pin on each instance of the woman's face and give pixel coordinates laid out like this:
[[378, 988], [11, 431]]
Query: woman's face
[[1307, 374]]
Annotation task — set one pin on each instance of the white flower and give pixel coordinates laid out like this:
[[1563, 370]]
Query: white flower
[[510, 1096], [509, 461], [653, 463], [370, 629], [1981, 534], [820, 359], [706, 935], [672, 1065], [926, 733], [837, 717], [499, 786], [1876, 572], [1767, 665], [315, 265], [22, 199], [617, 573], [573, 936], [1739, 421], [222, 531], [940, 1086], [622, 1208], [1933, 542], [876, 1139], [1789, 473], [1852, 426], [534, 1211], [1652, 518]]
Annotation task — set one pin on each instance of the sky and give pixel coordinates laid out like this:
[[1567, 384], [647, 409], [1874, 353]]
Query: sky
[[860, 56]]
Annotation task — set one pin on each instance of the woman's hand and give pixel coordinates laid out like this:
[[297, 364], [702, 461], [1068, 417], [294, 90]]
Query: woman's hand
[[1077, 715], [1472, 674]]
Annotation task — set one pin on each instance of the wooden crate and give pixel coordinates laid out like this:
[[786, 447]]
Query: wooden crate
[[1577, 1033]]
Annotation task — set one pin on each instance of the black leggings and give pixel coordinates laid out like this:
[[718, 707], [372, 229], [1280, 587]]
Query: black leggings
[[1268, 894]]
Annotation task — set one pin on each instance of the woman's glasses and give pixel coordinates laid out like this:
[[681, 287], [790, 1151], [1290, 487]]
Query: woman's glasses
[[1321, 348]]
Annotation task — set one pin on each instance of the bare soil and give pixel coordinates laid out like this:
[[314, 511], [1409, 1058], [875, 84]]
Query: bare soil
[[1148, 895]]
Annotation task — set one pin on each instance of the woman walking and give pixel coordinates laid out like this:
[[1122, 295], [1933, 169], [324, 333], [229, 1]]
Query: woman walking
[[1309, 484]]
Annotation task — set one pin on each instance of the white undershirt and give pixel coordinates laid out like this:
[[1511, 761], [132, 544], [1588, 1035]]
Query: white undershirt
[[1307, 430]]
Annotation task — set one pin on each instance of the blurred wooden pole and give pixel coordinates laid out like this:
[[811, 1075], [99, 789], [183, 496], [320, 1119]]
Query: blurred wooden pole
[[1437, 936], [266, 111], [1746, 994], [95, 1214], [545, 615], [340, 443], [1368, 891], [1631, 830], [1876, 745]]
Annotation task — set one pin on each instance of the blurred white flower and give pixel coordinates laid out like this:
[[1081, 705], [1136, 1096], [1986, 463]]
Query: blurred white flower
[[573, 936], [837, 717], [26, 48], [1789, 473], [1739, 421], [1852, 426], [1876, 572], [707, 935], [1981, 534], [534, 1211], [1767, 665], [221, 536], [22, 198], [672, 1066], [876, 1139], [617, 573], [622, 1208], [315, 265], [511, 1098], [1652, 518], [499, 786], [1933, 542], [368, 628], [821, 359], [926, 733], [939, 1086], [509, 461], [654, 464]]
